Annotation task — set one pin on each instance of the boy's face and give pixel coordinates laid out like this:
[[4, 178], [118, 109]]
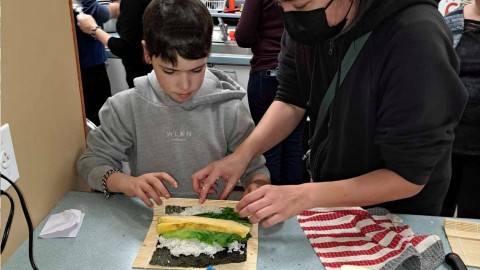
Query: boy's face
[[180, 82]]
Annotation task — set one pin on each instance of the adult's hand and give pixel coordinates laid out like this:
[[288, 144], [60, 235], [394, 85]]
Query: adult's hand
[[86, 23], [147, 186], [229, 169], [270, 204]]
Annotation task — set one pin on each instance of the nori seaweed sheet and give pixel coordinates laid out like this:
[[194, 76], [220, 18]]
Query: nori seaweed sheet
[[170, 209], [162, 257]]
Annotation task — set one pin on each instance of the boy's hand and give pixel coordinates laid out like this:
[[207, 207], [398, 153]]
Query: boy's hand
[[147, 186]]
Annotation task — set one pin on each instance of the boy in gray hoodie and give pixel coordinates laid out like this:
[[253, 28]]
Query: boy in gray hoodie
[[176, 120]]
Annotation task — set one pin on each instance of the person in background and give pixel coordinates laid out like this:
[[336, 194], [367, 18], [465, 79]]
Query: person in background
[[176, 120], [464, 189], [264, 17], [92, 57], [386, 137], [128, 45]]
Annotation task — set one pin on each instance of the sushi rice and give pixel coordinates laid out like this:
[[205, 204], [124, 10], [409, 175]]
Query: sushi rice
[[198, 209], [194, 247]]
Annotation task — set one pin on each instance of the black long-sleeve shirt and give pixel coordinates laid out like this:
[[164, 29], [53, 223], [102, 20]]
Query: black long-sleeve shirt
[[397, 107], [128, 46]]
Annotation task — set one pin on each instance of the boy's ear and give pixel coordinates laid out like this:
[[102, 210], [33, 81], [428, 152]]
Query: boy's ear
[[146, 55]]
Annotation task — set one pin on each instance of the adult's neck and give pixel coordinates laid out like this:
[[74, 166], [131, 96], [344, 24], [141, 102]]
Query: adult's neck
[[472, 11]]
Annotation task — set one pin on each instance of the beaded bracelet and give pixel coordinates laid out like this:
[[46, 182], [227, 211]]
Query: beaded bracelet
[[106, 193]]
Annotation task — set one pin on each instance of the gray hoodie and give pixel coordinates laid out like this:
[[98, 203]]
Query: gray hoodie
[[153, 133]]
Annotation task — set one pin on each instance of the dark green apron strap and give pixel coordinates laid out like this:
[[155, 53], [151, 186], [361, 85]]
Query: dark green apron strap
[[347, 63]]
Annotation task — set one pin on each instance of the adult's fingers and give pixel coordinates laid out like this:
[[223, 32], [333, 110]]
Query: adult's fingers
[[228, 188], [272, 220], [205, 189], [207, 185], [213, 188], [262, 213], [257, 210], [198, 179], [244, 206]]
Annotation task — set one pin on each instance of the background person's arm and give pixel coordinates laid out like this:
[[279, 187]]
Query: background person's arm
[[87, 24], [97, 14], [114, 9], [249, 20], [130, 29]]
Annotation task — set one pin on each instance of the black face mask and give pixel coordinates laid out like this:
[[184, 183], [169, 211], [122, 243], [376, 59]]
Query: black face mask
[[312, 26]]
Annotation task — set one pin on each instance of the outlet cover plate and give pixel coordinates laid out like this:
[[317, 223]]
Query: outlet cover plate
[[8, 165]]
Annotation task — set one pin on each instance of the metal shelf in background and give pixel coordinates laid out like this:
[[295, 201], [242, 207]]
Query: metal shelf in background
[[225, 15]]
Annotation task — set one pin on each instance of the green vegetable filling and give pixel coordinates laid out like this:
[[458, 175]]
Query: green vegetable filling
[[208, 237], [229, 214]]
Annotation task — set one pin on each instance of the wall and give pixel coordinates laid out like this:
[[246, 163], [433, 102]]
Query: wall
[[40, 99], [447, 6]]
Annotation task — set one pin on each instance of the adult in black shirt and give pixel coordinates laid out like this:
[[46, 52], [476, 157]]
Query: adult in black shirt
[[388, 134], [128, 46]]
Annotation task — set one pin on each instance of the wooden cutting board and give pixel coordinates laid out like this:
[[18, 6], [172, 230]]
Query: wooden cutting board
[[464, 239], [142, 261]]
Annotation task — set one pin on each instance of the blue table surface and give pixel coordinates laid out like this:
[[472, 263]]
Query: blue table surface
[[113, 231]]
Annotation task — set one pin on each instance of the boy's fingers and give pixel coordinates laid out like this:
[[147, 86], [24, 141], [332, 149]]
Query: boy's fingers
[[145, 199], [166, 177], [152, 193], [161, 190]]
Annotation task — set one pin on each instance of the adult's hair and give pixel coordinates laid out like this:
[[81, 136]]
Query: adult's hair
[[177, 27]]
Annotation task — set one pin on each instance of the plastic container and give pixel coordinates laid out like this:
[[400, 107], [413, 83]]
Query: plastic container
[[215, 5]]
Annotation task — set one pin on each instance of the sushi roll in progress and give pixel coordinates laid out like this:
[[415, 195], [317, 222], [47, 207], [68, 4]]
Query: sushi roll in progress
[[200, 236]]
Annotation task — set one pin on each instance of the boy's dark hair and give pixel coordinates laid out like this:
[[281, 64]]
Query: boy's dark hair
[[182, 27]]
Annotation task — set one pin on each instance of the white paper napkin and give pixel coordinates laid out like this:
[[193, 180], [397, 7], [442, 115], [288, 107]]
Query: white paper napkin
[[64, 224]]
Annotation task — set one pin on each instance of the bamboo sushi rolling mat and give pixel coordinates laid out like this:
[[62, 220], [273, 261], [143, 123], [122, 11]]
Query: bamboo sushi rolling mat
[[464, 239], [142, 261]]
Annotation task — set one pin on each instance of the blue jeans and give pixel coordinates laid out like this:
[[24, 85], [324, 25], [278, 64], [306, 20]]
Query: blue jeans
[[284, 161]]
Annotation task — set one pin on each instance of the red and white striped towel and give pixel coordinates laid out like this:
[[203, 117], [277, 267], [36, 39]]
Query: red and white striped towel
[[371, 239]]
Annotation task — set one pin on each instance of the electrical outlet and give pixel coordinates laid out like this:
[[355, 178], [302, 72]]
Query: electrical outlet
[[8, 166]]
